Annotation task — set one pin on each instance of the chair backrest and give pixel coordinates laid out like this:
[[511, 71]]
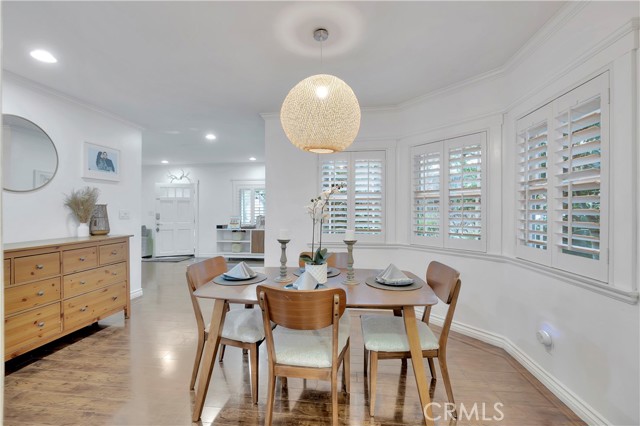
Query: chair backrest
[[340, 260], [302, 309], [199, 274], [202, 272], [331, 261], [445, 283]]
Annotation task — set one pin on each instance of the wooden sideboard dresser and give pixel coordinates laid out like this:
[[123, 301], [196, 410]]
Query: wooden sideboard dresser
[[54, 287]]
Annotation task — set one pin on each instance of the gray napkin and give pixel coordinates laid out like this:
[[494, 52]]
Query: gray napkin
[[393, 275], [241, 271], [305, 282]]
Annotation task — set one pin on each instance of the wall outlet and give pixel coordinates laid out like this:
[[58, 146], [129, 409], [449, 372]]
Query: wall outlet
[[124, 215]]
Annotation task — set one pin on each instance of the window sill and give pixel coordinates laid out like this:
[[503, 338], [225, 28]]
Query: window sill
[[630, 297]]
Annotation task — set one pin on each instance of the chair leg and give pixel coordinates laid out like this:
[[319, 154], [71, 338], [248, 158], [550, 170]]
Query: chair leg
[[447, 382], [196, 363], [334, 396], [346, 369], [253, 364], [432, 367], [373, 376], [270, 397], [222, 348]]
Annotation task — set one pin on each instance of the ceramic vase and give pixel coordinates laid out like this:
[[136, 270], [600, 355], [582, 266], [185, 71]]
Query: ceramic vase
[[83, 230], [319, 272]]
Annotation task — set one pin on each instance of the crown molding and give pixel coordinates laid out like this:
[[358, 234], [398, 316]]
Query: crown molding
[[633, 25], [65, 97], [552, 26]]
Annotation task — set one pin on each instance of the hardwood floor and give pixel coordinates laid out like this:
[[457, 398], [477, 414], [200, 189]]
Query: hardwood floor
[[137, 373]]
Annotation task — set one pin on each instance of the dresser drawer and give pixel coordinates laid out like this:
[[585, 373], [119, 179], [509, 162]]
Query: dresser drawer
[[26, 296], [111, 253], [83, 282], [31, 268], [30, 328], [7, 272], [83, 310], [79, 259]]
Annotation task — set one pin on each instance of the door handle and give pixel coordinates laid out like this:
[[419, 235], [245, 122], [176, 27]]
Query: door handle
[[157, 229]]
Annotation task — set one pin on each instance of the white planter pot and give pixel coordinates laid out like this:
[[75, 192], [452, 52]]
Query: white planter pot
[[83, 230], [319, 272]]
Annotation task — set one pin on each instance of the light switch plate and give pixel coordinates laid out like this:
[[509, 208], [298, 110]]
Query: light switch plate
[[124, 215]]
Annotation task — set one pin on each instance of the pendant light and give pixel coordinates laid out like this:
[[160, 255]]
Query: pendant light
[[321, 113]]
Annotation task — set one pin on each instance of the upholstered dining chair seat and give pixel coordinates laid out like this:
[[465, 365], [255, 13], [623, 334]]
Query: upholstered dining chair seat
[[244, 325], [309, 348], [387, 334]]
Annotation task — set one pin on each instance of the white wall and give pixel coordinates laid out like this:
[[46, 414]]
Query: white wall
[[593, 365], [215, 205], [41, 214]]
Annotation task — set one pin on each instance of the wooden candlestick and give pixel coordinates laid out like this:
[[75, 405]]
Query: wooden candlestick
[[283, 278], [351, 276]]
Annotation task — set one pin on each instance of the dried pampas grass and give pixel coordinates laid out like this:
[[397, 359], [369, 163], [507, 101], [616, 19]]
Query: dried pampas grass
[[82, 202]]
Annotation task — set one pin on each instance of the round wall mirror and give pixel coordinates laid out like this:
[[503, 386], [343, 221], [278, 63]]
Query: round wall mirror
[[29, 157]]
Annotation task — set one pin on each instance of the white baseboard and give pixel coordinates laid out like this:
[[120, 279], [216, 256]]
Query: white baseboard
[[573, 401], [135, 294]]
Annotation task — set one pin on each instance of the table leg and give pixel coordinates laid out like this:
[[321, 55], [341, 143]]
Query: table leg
[[411, 328], [210, 352]]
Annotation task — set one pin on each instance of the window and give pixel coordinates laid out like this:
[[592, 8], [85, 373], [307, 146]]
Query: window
[[448, 193], [360, 205], [563, 181], [249, 200]]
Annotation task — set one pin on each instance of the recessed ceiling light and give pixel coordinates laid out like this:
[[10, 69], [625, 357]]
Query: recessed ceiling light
[[165, 162], [252, 158], [210, 136], [43, 56]]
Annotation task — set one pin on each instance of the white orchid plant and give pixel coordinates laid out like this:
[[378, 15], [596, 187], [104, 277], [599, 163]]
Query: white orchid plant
[[317, 211]]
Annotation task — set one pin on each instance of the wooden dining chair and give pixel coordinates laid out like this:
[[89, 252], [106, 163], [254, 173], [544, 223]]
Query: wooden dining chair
[[242, 327], [385, 336], [311, 338]]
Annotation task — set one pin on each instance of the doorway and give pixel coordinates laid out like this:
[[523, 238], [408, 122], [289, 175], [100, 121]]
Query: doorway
[[175, 219]]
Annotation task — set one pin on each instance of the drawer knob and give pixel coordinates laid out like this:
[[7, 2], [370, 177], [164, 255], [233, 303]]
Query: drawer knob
[[115, 297], [39, 266], [113, 253], [84, 308], [41, 324], [40, 293], [83, 282], [82, 259], [114, 273]]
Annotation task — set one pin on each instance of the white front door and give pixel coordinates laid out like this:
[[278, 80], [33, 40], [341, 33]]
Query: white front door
[[175, 219]]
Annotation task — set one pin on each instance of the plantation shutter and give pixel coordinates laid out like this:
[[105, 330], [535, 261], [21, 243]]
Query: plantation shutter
[[465, 177], [532, 223], [246, 213], [259, 202], [252, 204], [360, 205], [581, 184], [367, 192], [427, 196], [333, 171]]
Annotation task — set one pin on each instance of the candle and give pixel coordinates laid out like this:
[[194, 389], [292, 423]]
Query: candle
[[349, 235], [283, 234]]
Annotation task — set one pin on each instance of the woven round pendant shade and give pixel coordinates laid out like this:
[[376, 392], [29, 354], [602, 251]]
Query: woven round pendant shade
[[321, 114]]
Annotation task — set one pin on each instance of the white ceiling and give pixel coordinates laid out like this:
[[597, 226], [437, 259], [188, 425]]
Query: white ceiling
[[182, 69]]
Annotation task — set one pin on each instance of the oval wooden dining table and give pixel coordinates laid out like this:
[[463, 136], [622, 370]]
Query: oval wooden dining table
[[358, 296]]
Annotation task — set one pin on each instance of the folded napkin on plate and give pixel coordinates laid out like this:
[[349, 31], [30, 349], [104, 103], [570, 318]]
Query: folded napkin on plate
[[393, 275], [305, 282], [241, 270]]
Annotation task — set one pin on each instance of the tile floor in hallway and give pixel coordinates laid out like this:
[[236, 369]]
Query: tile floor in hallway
[[137, 372]]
